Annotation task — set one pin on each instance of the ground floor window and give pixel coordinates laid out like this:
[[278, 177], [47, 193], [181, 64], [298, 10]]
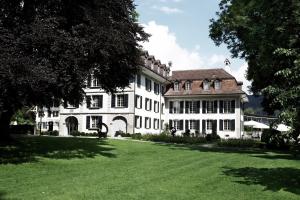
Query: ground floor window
[[147, 122], [138, 122], [156, 123], [209, 124]]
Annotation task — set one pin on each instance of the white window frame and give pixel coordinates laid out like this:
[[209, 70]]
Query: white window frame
[[156, 124], [95, 101], [188, 85], [176, 124], [94, 122], [217, 84], [176, 86], [176, 107], [209, 106], [147, 122], [192, 124], [226, 106], [209, 125], [206, 85], [138, 121], [95, 82], [120, 101]]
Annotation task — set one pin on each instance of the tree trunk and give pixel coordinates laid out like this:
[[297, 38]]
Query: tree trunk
[[5, 118]]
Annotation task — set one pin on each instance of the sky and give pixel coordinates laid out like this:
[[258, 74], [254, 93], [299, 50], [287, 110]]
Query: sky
[[180, 33]]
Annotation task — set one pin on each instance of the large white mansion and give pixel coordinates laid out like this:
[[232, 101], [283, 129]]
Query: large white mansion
[[203, 100]]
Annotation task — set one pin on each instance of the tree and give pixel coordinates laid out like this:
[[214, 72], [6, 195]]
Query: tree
[[48, 49], [267, 35]]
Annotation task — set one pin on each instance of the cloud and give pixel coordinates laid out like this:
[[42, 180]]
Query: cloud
[[167, 10], [164, 46]]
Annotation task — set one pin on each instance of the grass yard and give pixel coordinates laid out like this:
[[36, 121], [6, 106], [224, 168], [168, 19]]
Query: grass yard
[[73, 168]]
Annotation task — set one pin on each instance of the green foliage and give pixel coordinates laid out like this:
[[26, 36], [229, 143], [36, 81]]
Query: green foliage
[[136, 136], [51, 133], [78, 133], [48, 49], [212, 137], [24, 116], [275, 139], [266, 34], [248, 143]]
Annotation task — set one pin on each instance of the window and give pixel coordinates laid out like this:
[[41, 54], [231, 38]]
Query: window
[[209, 124], [41, 114], [49, 113], [95, 122], [227, 106], [156, 88], [227, 125], [147, 122], [148, 104], [192, 106], [177, 124], [148, 85], [210, 106], [188, 85], [138, 122], [156, 124], [176, 106], [156, 106], [55, 113], [138, 80], [192, 124], [119, 101], [217, 84], [138, 101], [95, 81], [94, 101], [206, 85], [176, 86], [162, 90]]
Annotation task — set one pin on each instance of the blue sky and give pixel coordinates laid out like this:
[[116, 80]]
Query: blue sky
[[180, 33]]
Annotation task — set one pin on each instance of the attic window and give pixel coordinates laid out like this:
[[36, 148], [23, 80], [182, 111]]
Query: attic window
[[217, 84], [188, 85], [206, 85], [176, 86]]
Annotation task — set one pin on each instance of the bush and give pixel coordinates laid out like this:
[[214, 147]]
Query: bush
[[52, 133], [21, 129], [239, 143], [125, 135], [275, 139], [78, 133], [187, 133], [136, 136], [212, 137]]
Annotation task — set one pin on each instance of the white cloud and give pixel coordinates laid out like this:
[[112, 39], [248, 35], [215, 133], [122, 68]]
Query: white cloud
[[176, 1], [167, 10], [163, 45]]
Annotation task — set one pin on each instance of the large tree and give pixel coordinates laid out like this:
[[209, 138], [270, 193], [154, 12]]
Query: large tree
[[267, 35], [48, 48]]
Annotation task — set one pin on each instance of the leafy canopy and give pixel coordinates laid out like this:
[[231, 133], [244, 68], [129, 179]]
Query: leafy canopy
[[267, 35]]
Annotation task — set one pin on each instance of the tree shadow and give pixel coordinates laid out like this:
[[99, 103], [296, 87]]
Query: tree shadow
[[30, 149], [273, 179], [215, 149], [3, 196], [278, 156]]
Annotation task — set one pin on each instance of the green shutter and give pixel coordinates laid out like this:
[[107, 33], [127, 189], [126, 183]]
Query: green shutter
[[88, 122]]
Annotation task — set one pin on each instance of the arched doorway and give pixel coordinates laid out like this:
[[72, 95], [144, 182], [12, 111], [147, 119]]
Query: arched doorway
[[72, 124], [119, 124]]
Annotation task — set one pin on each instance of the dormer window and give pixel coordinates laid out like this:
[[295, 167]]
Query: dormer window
[[188, 85], [176, 86], [217, 84], [206, 85]]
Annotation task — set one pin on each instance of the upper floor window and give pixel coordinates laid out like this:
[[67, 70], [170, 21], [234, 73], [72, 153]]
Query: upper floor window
[[176, 86], [55, 113], [227, 106], [227, 125], [206, 85], [138, 122], [147, 122], [210, 106], [192, 106], [148, 104], [119, 101], [94, 101], [138, 101], [188, 85], [148, 84], [156, 106], [217, 84], [176, 106], [95, 81]]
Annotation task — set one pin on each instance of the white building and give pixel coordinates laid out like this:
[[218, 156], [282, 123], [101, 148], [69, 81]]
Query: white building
[[198, 100]]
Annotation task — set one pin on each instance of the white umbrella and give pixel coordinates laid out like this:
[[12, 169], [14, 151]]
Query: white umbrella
[[255, 124], [282, 128]]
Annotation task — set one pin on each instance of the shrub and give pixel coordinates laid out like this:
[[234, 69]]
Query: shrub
[[275, 139], [187, 133], [136, 136], [212, 137], [125, 135], [52, 133], [239, 143], [170, 139]]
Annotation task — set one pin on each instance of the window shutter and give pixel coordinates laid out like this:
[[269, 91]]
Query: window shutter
[[149, 122], [88, 101], [181, 124], [170, 124], [146, 105], [221, 125], [203, 126], [99, 121], [186, 124], [141, 101], [215, 107], [150, 104], [171, 107], [100, 101], [158, 107], [146, 122], [181, 106], [197, 125], [214, 126], [203, 106], [232, 125], [198, 107], [113, 101], [233, 106], [89, 81], [141, 119], [135, 101], [126, 100], [88, 122], [221, 106], [187, 106]]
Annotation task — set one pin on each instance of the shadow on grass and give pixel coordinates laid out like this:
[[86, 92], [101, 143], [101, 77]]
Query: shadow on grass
[[29, 149], [273, 179], [279, 156], [3, 196]]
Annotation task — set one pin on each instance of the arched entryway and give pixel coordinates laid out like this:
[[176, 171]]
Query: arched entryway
[[119, 124], [72, 124]]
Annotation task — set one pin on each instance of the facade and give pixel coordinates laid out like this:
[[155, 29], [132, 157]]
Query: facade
[[203, 101]]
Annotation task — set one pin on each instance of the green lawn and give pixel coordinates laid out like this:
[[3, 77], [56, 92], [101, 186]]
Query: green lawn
[[73, 168]]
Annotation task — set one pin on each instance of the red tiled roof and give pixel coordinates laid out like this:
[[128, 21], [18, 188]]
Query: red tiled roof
[[201, 74]]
